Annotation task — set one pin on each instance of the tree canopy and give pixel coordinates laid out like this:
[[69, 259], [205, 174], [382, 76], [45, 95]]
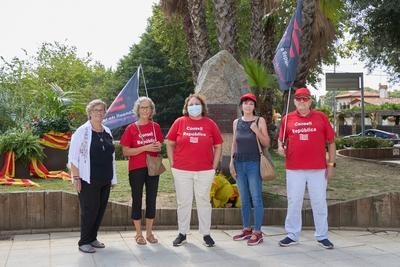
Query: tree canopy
[[374, 27]]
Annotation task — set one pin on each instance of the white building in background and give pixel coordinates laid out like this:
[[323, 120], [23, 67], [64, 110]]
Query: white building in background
[[353, 99]]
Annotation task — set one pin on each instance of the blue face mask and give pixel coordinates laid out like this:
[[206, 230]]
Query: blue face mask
[[194, 110]]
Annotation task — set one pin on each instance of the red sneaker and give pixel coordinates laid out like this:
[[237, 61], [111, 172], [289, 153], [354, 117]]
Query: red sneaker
[[255, 239], [245, 234]]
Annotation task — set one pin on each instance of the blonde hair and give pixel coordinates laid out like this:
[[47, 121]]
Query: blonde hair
[[141, 99], [204, 110], [92, 104]]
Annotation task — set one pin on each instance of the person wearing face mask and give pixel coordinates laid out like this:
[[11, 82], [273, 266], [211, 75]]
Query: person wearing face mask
[[303, 143], [194, 149]]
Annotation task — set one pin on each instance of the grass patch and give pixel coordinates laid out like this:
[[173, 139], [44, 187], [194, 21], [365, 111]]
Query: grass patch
[[354, 179], [121, 193]]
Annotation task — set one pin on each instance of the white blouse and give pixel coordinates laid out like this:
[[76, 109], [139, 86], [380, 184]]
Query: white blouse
[[79, 152]]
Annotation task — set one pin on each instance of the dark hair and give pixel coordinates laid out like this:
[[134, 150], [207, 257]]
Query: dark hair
[[255, 106], [204, 110]]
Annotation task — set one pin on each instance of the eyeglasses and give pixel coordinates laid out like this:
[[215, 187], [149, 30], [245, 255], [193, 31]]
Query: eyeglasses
[[145, 108], [98, 110], [302, 98]]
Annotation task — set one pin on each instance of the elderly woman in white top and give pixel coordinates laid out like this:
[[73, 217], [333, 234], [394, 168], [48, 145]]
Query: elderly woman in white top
[[91, 160]]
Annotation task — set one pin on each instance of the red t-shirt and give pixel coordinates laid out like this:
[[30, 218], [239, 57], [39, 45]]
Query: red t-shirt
[[131, 138], [195, 140], [306, 138]]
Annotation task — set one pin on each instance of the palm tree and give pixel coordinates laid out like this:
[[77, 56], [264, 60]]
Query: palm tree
[[268, 30], [262, 83], [198, 18], [256, 32], [195, 30], [318, 32], [224, 11]]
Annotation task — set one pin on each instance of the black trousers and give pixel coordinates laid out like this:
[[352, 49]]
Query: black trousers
[[93, 200], [137, 179]]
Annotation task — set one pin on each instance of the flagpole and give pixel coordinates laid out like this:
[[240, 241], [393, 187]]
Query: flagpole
[[138, 76], [147, 95], [144, 80], [287, 110]]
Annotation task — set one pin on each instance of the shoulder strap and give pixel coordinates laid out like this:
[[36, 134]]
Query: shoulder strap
[[140, 133], [258, 141]]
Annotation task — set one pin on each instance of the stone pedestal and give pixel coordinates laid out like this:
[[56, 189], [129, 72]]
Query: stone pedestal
[[222, 80]]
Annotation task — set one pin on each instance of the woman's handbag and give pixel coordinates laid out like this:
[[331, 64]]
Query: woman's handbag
[[155, 166], [267, 168]]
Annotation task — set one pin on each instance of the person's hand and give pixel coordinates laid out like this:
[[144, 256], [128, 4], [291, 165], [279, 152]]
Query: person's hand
[[153, 147], [254, 127], [78, 185], [159, 145], [330, 172], [232, 170], [282, 151]]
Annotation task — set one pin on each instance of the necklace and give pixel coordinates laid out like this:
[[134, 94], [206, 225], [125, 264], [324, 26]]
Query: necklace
[[101, 139]]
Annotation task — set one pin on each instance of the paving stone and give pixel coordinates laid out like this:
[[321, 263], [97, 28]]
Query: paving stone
[[352, 248], [31, 237], [386, 260], [273, 230], [327, 255]]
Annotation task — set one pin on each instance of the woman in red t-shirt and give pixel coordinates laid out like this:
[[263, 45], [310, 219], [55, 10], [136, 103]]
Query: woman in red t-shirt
[[140, 138], [194, 149]]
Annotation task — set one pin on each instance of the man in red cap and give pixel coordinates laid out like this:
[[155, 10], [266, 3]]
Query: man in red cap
[[303, 136]]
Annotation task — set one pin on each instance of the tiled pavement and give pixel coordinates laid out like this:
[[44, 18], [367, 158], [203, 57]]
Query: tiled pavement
[[352, 248]]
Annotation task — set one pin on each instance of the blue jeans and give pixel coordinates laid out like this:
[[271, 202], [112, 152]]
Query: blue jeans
[[249, 182]]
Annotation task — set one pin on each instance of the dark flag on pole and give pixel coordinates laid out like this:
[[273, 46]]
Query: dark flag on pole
[[120, 111], [288, 50]]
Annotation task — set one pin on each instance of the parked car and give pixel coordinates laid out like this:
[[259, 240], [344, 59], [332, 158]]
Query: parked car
[[376, 133]]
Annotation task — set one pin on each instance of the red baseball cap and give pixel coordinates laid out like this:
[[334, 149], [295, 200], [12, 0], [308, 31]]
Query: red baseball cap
[[248, 96], [302, 91]]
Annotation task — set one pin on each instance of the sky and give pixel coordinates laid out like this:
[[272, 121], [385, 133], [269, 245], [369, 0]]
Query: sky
[[105, 28]]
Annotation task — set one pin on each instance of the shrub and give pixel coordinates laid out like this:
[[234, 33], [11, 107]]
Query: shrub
[[43, 125], [362, 142], [342, 143], [25, 145], [371, 142], [118, 151], [164, 151]]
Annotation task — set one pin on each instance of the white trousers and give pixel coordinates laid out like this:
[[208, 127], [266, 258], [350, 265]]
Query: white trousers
[[185, 183], [296, 181]]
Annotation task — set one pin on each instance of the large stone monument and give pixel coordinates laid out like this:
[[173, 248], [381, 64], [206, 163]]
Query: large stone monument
[[222, 80]]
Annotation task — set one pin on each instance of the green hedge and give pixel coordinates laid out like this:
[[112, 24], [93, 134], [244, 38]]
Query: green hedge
[[362, 142], [118, 152]]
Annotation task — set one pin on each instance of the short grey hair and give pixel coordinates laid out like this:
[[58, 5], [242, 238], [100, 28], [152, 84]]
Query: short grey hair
[[141, 99], [92, 104]]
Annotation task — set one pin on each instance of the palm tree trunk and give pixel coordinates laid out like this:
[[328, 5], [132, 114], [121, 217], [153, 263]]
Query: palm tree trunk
[[191, 47], [256, 33], [198, 18], [268, 39], [224, 11], [308, 14]]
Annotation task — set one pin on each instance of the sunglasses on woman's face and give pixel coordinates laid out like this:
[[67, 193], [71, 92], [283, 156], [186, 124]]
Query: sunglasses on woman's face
[[302, 98]]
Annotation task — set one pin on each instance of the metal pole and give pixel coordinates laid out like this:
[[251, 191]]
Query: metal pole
[[287, 110], [362, 105], [334, 111]]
